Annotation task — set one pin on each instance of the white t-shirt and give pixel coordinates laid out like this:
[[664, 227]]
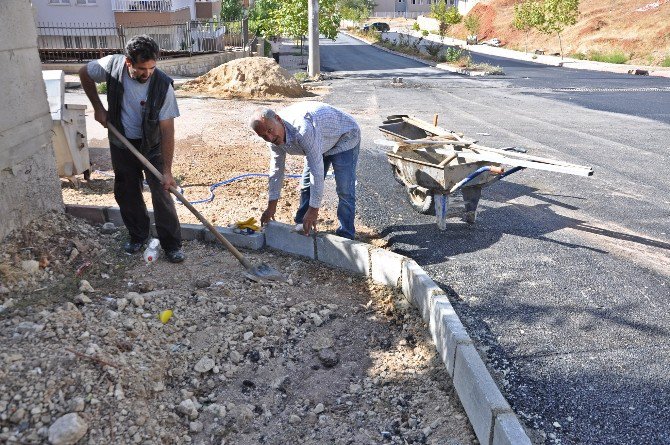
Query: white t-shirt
[[134, 98]]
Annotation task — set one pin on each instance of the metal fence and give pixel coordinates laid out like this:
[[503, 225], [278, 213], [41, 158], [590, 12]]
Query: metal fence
[[88, 41], [397, 14]]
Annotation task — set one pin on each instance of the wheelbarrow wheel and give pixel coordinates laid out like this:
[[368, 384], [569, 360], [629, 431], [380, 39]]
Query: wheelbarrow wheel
[[421, 201], [396, 175]]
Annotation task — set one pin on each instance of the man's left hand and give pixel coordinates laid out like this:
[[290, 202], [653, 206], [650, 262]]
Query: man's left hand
[[168, 181], [309, 220]]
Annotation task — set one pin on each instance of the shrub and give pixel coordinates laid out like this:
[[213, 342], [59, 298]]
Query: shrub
[[579, 56], [424, 32], [666, 61], [453, 54], [416, 26], [300, 77], [101, 88], [433, 49], [613, 57]]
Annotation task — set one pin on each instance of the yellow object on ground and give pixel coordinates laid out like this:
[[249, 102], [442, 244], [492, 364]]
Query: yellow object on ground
[[165, 316], [250, 223]]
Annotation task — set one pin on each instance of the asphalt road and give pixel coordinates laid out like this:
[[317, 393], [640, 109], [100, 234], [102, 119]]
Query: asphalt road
[[564, 281]]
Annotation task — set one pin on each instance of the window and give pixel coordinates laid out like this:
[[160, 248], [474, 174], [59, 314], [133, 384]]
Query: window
[[59, 2], [86, 2]]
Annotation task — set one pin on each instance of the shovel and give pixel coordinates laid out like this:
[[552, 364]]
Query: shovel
[[260, 272]]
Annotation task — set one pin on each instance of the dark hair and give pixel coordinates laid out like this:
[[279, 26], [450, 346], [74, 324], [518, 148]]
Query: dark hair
[[142, 48]]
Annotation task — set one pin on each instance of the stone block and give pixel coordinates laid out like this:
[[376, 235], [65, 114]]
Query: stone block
[[282, 237], [447, 331], [344, 253], [92, 214], [113, 214], [478, 393], [192, 232], [508, 431], [255, 241], [418, 288], [386, 267]]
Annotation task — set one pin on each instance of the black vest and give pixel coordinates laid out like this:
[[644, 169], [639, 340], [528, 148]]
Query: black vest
[[159, 83]]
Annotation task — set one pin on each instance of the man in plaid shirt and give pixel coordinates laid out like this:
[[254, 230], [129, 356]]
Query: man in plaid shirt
[[325, 136]]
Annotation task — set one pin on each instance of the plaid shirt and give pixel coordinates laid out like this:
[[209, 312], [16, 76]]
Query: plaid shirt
[[314, 130]]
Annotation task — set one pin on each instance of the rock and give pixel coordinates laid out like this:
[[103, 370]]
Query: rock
[[329, 357], [67, 430], [195, 427], [108, 228], [316, 319], [217, 410], [318, 409], [248, 336], [3, 290], [322, 342], [187, 408], [121, 303], [202, 283], [158, 387], [137, 299], [17, 416], [354, 388], [281, 383], [30, 266], [82, 299], [77, 404], [235, 357], [27, 326], [74, 253], [293, 419], [205, 364], [85, 286]]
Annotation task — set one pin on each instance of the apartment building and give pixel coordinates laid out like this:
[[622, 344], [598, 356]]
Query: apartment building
[[412, 8]]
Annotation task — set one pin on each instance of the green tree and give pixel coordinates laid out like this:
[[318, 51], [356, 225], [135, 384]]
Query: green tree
[[355, 10], [291, 17], [527, 15], [557, 15], [262, 18], [472, 23], [231, 10], [446, 15]]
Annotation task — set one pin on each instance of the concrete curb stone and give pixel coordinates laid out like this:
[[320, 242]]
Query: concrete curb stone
[[386, 267], [282, 237], [448, 332], [254, 241], [478, 393], [508, 431], [94, 214], [343, 253]]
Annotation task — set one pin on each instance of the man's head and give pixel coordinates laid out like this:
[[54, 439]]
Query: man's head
[[141, 54], [268, 125]]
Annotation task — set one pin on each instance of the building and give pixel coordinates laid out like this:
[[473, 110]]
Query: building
[[413, 8]]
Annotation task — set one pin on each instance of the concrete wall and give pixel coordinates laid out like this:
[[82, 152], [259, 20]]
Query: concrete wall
[[198, 65], [71, 13], [29, 184], [134, 18]]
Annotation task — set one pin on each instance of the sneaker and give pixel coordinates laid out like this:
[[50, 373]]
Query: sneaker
[[175, 256], [132, 247]]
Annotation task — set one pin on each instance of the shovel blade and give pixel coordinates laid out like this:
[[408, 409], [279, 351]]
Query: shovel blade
[[264, 272]]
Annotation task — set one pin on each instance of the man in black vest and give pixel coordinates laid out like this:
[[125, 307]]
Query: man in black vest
[[142, 106]]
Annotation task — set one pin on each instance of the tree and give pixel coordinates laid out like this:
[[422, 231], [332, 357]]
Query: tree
[[356, 10], [527, 15], [446, 15], [556, 15], [262, 18], [472, 23], [291, 17], [231, 10]]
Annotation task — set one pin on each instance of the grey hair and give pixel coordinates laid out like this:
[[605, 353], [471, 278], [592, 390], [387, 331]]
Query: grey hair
[[261, 114]]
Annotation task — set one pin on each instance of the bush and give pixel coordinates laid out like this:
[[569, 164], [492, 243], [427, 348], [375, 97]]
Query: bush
[[424, 32], [300, 77], [101, 88], [453, 54], [579, 56], [433, 49], [666, 61], [613, 57], [416, 26]]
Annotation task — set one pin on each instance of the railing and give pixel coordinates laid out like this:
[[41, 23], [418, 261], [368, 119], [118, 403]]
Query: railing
[[89, 41], [150, 5], [396, 14]]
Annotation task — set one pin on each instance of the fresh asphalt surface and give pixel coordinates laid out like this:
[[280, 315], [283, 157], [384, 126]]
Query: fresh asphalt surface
[[564, 281]]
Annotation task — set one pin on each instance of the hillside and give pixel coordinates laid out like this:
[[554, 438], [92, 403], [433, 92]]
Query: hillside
[[640, 29]]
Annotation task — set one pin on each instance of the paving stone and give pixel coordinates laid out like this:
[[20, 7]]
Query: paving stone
[[282, 237], [478, 393], [508, 431], [386, 267], [447, 330], [254, 241], [344, 253], [92, 214], [192, 232]]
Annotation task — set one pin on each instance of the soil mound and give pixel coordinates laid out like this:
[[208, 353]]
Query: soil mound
[[246, 78]]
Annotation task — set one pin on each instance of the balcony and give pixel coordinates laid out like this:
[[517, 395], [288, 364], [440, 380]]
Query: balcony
[[135, 12]]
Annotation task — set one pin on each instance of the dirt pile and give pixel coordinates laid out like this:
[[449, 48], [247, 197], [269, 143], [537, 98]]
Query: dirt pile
[[325, 358], [249, 77]]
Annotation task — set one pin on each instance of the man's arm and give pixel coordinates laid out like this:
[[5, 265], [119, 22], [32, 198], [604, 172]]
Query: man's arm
[[275, 182], [167, 148], [100, 113]]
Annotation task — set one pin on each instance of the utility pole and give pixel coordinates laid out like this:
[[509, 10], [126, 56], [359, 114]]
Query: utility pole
[[314, 63]]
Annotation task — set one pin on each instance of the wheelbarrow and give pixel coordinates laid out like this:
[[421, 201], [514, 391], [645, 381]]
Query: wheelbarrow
[[436, 165]]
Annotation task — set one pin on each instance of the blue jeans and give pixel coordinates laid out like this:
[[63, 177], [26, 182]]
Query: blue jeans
[[344, 167]]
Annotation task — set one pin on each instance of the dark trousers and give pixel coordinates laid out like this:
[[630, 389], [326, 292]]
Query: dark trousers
[[129, 174], [276, 57]]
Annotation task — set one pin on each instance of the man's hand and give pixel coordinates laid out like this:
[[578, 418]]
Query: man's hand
[[100, 115], [309, 220], [269, 213], [168, 181]]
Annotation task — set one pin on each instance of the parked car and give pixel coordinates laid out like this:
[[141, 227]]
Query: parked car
[[377, 26], [492, 42]]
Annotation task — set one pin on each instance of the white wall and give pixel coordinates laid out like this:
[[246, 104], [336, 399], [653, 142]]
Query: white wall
[[100, 12], [29, 183]]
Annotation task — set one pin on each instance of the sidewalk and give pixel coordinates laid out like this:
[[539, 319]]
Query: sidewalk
[[290, 58]]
